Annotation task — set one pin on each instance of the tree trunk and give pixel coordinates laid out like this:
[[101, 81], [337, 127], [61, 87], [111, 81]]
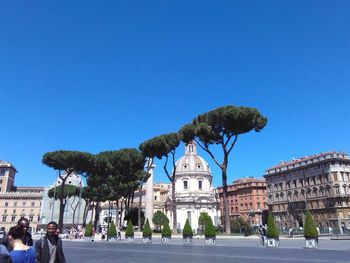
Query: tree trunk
[[173, 205], [62, 206], [139, 210], [86, 209], [97, 215], [224, 195], [74, 211], [121, 214], [117, 215]]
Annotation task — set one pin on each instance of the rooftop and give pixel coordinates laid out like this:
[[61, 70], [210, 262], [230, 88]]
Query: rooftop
[[296, 162], [6, 164]]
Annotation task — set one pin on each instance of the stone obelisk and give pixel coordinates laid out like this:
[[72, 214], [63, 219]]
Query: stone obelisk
[[149, 196]]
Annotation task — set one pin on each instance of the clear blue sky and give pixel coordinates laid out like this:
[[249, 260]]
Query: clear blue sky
[[103, 75]]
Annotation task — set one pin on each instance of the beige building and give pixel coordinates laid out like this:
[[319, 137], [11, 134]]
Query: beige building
[[7, 176], [319, 183], [18, 202], [160, 193]]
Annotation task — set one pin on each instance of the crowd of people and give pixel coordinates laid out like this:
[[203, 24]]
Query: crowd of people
[[17, 245]]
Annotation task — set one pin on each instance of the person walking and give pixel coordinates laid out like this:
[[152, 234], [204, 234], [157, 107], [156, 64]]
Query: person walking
[[49, 248], [20, 253]]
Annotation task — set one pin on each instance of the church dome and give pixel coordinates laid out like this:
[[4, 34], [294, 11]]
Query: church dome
[[191, 162]]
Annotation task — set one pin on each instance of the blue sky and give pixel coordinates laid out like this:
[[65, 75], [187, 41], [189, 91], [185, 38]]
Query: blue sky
[[103, 75]]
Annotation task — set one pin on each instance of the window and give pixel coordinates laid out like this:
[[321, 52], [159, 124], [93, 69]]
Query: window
[[337, 191], [335, 177], [24, 203], [185, 185], [6, 204], [288, 185], [14, 204], [4, 218], [33, 204], [30, 218], [13, 218], [200, 185], [155, 198]]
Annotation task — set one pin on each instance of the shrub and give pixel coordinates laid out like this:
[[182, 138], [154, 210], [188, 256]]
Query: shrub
[[133, 215], [129, 230], [159, 219], [88, 230], [166, 232], [112, 231], [203, 218], [272, 231], [310, 230], [239, 225], [187, 231], [147, 231], [209, 230]]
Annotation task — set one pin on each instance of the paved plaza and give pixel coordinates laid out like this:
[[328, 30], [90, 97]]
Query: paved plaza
[[233, 250]]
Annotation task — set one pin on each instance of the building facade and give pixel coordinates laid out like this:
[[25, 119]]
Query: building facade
[[247, 198], [193, 190], [319, 183], [74, 209], [160, 194], [18, 202]]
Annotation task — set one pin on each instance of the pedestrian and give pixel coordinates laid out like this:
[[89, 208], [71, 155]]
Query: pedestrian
[[119, 236], [20, 253], [290, 233], [3, 236], [103, 234], [49, 248], [4, 254], [23, 224]]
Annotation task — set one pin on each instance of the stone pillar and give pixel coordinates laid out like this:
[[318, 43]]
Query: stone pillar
[[149, 197]]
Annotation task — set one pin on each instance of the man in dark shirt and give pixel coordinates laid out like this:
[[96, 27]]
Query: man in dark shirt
[[23, 223], [49, 248], [27, 240]]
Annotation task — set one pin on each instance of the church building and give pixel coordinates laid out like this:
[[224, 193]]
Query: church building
[[193, 190]]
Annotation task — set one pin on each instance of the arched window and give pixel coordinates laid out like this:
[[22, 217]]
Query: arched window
[[200, 185], [185, 185], [321, 191], [296, 195], [337, 190], [308, 192]]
